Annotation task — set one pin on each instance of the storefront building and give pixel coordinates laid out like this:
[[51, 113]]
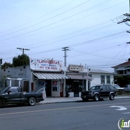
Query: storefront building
[[50, 75]]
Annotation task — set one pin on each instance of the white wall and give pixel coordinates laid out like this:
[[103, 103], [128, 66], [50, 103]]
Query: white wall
[[97, 78]]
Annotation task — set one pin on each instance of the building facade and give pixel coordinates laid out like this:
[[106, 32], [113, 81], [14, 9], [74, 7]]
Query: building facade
[[50, 75], [122, 69], [101, 77]]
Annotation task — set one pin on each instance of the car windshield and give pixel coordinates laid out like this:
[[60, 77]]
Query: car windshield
[[39, 89], [95, 88], [4, 89]]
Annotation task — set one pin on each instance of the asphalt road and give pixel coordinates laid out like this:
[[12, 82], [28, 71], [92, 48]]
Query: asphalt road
[[90, 115]]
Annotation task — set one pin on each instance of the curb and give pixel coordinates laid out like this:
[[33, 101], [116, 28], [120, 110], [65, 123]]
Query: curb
[[54, 102]]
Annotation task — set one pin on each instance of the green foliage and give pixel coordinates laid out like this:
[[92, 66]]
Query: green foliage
[[21, 60], [122, 80], [6, 65]]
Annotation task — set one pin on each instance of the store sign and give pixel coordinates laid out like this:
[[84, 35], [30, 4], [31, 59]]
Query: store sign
[[76, 68], [45, 65]]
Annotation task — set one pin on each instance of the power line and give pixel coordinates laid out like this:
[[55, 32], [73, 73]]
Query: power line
[[90, 53], [49, 18], [53, 23], [86, 42], [44, 15]]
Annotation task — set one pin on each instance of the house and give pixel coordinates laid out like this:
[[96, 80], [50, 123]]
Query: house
[[101, 77], [122, 69], [122, 73]]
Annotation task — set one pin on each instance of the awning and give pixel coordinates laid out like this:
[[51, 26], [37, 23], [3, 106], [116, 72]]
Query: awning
[[50, 76], [79, 77]]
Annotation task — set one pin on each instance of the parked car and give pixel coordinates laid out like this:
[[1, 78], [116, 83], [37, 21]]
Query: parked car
[[99, 92], [117, 87], [15, 95], [127, 88]]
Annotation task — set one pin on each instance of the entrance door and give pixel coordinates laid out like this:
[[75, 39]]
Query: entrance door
[[48, 88], [61, 89], [76, 89]]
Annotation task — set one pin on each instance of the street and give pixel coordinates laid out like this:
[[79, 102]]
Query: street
[[102, 115]]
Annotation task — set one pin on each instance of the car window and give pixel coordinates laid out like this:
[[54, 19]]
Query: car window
[[112, 87], [107, 87], [95, 88], [13, 90], [103, 87], [4, 89]]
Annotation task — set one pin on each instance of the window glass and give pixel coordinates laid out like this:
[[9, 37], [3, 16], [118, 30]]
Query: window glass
[[102, 79], [95, 88], [112, 87], [55, 86], [107, 87], [108, 79], [13, 90], [103, 87]]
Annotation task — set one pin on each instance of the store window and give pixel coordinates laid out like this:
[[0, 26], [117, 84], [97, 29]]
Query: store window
[[102, 79]]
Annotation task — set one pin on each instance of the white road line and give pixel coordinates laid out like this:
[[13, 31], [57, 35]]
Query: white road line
[[120, 108], [126, 113]]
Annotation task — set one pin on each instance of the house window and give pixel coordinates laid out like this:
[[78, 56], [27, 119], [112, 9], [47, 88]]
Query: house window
[[108, 79], [102, 79]]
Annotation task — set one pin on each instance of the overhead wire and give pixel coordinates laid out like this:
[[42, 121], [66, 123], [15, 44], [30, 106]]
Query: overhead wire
[[61, 7], [52, 23], [48, 18], [115, 56], [86, 42], [90, 53]]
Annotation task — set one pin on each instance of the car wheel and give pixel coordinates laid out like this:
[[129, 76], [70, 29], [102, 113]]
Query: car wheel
[[111, 97], [32, 101], [96, 97]]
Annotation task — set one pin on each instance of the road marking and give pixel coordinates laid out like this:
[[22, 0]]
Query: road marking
[[57, 109], [126, 113], [120, 108]]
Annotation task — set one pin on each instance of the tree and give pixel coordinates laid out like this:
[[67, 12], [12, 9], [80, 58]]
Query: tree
[[6, 65], [122, 80], [21, 60]]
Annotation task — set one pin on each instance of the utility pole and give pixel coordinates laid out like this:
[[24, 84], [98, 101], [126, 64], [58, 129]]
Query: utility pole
[[126, 19], [23, 49], [65, 49]]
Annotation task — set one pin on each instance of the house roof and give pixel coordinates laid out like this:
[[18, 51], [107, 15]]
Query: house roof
[[93, 70], [122, 64]]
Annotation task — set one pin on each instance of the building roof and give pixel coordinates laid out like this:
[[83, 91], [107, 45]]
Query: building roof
[[123, 64], [93, 70], [50, 76]]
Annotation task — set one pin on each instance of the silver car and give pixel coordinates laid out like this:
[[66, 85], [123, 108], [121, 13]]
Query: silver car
[[117, 87], [127, 88]]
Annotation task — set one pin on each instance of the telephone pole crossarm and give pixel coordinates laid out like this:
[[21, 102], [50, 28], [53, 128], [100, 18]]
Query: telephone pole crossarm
[[23, 49]]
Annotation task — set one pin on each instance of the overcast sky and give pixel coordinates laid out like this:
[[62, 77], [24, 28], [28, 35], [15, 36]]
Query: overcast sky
[[88, 27]]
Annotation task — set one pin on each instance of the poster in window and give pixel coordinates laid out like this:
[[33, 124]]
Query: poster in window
[[55, 86]]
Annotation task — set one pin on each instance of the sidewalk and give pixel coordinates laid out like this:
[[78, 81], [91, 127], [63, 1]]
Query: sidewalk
[[69, 99]]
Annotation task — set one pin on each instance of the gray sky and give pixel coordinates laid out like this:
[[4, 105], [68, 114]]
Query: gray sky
[[88, 27]]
